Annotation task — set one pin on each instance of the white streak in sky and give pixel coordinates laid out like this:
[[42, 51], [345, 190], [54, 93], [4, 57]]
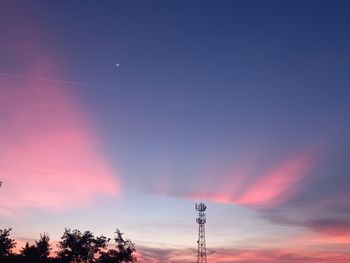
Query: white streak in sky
[[52, 80]]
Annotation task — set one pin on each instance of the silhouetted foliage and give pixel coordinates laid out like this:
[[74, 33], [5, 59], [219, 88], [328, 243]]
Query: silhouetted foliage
[[6, 243], [30, 253], [75, 246], [124, 251], [43, 247], [39, 252], [80, 247]]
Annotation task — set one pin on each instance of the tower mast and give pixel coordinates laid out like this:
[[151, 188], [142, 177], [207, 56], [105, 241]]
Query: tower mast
[[201, 220]]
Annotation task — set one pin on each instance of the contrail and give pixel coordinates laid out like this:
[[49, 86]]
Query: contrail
[[53, 80]]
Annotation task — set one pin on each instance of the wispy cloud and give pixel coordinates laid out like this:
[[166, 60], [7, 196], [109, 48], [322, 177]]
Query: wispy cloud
[[268, 187], [50, 155], [276, 184], [58, 81], [228, 255]]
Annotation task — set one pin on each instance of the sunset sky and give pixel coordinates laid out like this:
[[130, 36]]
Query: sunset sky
[[245, 104]]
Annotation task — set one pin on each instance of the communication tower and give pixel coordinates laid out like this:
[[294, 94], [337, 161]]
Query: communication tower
[[201, 220]]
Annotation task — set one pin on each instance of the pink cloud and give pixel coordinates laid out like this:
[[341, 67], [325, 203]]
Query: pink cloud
[[278, 255], [324, 240], [50, 155], [253, 186], [275, 185], [326, 233], [227, 255]]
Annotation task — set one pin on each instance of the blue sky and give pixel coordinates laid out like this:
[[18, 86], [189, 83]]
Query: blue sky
[[244, 102]]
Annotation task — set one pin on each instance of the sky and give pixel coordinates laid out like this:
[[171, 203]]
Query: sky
[[241, 104]]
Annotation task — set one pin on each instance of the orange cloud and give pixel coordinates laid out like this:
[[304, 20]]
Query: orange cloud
[[50, 156]]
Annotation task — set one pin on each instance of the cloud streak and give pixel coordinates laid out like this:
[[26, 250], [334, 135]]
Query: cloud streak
[[58, 81], [266, 187], [226, 255], [50, 155], [277, 184]]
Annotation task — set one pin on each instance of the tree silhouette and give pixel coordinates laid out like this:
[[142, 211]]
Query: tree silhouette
[[39, 252], [123, 252], [6, 243], [43, 247], [30, 253], [75, 247], [80, 247]]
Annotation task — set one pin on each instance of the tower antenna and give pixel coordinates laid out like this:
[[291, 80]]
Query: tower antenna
[[201, 220]]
